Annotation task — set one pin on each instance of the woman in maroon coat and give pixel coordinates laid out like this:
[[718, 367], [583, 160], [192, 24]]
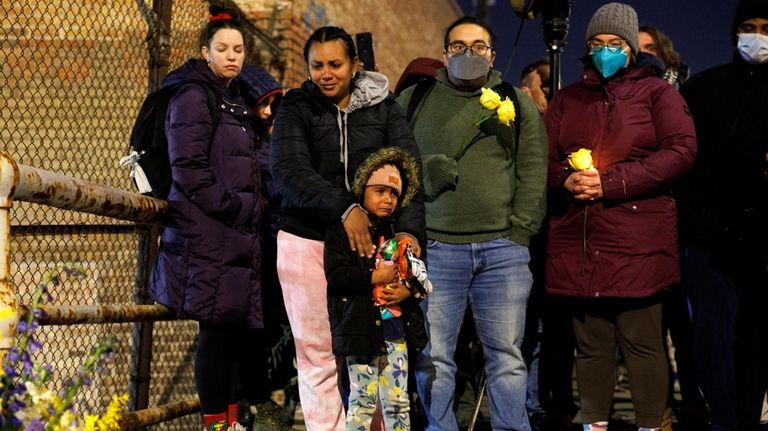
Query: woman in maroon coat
[[612, 243]]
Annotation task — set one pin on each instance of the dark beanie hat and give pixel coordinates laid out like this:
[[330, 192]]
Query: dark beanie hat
[[615, 18], [748, 9], [256, 85]]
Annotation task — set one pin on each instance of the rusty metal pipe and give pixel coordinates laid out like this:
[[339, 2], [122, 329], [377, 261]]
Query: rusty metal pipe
[[163, 413], [9, 178], [61, 191], [76, 314]]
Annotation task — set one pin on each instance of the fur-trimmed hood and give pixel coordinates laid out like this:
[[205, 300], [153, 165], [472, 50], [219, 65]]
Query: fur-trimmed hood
[[394, 156]]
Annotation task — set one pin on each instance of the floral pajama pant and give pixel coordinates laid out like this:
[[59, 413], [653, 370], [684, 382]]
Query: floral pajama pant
[[383, 379]]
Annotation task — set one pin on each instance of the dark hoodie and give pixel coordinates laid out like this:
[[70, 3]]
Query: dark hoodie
[[722, 201]]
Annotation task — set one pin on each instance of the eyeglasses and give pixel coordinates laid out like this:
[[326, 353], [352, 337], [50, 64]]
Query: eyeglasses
[[454, 48], [613, 43]]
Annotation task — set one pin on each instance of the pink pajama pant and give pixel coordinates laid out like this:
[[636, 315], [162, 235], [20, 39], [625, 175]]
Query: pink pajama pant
[[300, 268]]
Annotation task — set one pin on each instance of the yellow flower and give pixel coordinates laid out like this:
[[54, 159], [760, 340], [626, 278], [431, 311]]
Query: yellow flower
[[90, 423], [506, 112], [67, 421], [110, 420], [580, 160], [6, 312], [7, 322], [371, 388], [490, 99]]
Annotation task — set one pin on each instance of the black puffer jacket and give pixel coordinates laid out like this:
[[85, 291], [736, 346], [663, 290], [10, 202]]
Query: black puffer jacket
[[356, 324], [315, 146], [355, 319]]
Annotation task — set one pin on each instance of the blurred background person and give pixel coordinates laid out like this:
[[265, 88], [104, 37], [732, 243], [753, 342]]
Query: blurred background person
[[676, 318], [263, 94], [653, 41], [534, 81], [548, 343]]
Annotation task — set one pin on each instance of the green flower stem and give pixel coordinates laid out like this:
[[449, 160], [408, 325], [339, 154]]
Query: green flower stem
[[92, 362], [584, 241], [470, 137]]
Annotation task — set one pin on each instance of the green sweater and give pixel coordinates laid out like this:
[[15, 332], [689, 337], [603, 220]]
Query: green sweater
[[492, 191]]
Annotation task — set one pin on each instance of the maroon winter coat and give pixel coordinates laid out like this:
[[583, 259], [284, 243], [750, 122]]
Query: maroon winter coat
[[642, 139]]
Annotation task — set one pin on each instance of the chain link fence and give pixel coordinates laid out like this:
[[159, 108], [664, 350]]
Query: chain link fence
[[75, 74]]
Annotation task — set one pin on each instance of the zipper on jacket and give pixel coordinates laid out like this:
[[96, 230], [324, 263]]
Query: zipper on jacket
[[611, 104], [341, 119]]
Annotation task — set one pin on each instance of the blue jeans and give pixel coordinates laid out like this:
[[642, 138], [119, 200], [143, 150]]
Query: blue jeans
[[494, 278]]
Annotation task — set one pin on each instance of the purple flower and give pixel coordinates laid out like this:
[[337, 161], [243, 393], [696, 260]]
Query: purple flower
[[35, 425], [16, 405]]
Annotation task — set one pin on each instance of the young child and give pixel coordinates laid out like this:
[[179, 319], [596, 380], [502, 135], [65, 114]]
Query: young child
[[373, 338]]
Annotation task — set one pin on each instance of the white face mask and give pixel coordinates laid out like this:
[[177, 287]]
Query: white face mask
[[753, 47]]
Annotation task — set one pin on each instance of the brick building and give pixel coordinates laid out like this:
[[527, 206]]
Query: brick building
[[402, 29]]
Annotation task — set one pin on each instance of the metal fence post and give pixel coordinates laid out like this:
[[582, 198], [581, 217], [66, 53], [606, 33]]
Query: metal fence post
[[9, 177], [159, 29]]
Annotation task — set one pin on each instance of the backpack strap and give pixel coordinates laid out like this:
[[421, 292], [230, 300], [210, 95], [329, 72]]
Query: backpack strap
[[423, 88], [213, 106], [212, 100], [508, 90]]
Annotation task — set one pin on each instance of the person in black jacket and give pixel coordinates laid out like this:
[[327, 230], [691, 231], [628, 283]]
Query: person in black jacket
[[322, 132], [374, 316], [722, 215]]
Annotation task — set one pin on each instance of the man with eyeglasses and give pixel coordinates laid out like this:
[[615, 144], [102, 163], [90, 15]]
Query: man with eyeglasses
[[485, 199]]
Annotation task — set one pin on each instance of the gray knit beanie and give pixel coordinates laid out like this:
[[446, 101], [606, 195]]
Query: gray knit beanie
[[615, 18]]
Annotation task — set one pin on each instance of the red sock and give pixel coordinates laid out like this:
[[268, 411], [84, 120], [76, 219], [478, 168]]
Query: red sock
[[215, 422]]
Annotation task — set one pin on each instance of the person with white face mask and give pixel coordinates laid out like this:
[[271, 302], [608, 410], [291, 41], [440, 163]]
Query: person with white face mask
[[723, 225]]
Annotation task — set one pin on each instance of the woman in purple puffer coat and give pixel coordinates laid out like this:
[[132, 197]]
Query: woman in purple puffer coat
[[208, 265]]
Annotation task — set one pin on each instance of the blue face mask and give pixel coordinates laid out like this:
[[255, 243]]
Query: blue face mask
[[608, 60]]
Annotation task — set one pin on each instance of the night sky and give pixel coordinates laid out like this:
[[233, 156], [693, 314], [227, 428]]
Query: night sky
[[699, 29]]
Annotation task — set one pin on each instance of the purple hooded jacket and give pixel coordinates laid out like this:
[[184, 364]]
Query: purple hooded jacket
[[208, 265]]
